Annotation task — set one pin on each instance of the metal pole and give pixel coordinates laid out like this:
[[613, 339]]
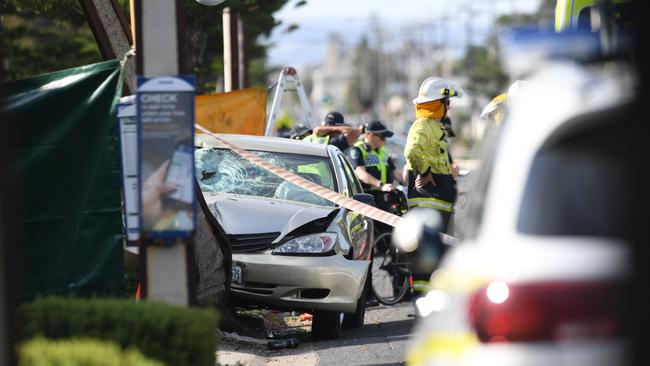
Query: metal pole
[[230, 59], [275, 105]]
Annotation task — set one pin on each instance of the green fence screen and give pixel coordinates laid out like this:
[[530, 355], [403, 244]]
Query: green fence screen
[[64, 147]]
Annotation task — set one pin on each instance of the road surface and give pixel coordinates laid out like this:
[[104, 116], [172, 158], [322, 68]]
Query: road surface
[[381, 341]]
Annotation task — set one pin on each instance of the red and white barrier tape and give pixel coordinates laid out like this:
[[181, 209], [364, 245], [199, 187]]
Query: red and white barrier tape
[[350, 204]]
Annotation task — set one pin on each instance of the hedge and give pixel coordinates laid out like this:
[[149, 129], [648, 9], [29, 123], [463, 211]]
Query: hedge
[[178, 336], [79, 352]]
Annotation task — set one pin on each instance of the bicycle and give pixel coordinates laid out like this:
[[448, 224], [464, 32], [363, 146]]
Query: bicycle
[[391, 277]]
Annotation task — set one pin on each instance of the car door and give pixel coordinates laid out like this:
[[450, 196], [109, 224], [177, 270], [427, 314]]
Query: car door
[[358, 228]]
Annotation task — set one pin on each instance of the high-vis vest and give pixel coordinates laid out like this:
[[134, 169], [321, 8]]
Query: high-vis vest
[[426, 147], [376, 159], [318, 139]]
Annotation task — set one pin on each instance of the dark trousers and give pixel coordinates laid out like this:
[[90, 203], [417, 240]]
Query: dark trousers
[[444, 190]]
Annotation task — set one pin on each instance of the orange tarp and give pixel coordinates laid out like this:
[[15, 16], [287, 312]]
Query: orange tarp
[[241, 111]]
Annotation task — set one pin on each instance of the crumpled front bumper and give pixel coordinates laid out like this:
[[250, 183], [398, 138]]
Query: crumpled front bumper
[[331, 283]]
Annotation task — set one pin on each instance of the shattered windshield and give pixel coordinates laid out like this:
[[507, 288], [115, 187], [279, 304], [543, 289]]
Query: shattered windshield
[[222, 171]]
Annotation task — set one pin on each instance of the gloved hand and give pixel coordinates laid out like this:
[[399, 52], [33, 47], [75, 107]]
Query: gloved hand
[[421, 181]]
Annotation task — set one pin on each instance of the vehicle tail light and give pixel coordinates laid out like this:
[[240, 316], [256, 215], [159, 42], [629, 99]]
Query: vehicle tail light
[[552, 311]]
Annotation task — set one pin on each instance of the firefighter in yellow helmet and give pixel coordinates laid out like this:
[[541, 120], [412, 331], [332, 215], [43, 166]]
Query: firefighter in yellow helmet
[[431, 183]]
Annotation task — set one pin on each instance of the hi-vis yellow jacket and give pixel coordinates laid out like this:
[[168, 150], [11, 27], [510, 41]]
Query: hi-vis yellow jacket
[[426, 147]]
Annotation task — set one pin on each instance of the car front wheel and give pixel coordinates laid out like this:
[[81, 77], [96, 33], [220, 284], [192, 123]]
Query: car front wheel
[[355, 320]]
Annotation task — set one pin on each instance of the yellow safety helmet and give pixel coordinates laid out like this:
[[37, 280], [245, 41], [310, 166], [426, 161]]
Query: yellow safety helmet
[[494, 110]]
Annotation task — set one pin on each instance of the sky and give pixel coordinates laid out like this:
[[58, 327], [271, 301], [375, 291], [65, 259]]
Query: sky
[[446, 20]]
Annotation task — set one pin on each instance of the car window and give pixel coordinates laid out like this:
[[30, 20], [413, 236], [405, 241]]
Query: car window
[[354, 186], [222, 171], [579, 186]]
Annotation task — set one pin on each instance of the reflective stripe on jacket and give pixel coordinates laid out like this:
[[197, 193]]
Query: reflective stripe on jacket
[[426, 147], [430, 203]]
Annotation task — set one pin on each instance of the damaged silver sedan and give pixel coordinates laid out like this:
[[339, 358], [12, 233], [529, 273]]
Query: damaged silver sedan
[[291, 249]]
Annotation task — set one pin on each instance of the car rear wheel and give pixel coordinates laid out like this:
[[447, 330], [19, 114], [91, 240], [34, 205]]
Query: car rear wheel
[[326, 325]]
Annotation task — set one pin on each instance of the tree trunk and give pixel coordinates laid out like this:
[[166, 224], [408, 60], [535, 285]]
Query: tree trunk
[[212, 257]]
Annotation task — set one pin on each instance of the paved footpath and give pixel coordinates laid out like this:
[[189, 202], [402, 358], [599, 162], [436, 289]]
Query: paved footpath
[[382, 340]]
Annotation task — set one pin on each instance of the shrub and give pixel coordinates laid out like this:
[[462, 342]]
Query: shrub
[[78, 352], [176, 335]]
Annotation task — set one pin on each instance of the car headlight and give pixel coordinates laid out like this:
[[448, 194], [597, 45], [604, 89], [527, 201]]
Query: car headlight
[[313, 244]]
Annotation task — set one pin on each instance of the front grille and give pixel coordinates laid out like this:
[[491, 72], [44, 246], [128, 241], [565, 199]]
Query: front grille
[[249, 243]]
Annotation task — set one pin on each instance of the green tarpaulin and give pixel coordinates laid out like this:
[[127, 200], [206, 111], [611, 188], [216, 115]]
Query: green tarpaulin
[[66, 169]]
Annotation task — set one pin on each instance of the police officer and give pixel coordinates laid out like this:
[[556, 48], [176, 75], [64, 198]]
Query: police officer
[[334, 131], [373, 165], [431, 183], [375, 169]]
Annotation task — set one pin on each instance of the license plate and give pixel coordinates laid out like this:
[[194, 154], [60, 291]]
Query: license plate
[[236, 275]]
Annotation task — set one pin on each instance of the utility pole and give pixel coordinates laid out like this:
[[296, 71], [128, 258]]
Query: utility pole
[[242, 52], [230, 50], [164, 265]]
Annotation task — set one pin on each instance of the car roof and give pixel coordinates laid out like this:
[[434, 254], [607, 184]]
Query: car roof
[[263, 143]]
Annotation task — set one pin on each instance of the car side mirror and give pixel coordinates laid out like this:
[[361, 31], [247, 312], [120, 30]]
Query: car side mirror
[[419, 234], [366, 198]]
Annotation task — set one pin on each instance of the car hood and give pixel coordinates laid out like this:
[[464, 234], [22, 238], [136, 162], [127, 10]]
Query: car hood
[[239, 214]]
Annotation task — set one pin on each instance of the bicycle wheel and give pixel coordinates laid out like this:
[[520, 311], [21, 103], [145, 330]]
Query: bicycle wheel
[[390, 275]]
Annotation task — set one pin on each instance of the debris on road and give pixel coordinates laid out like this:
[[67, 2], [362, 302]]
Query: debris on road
[[276, 344]]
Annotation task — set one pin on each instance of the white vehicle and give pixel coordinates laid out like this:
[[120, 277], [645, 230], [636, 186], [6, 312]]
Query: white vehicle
[[544, 255]]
